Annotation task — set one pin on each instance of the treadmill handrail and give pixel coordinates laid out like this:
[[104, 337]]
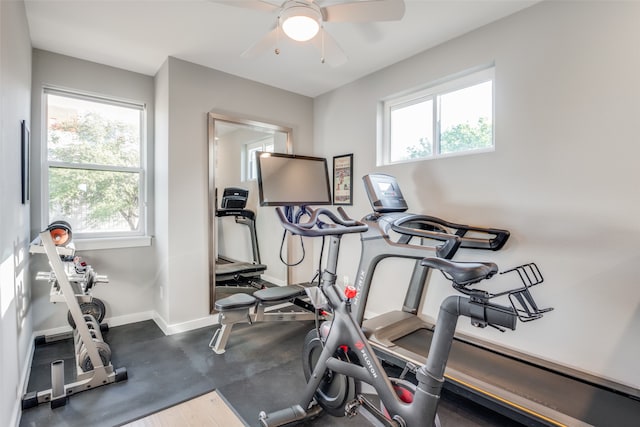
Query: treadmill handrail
[[451, 245], [245, 213], [495, 243]]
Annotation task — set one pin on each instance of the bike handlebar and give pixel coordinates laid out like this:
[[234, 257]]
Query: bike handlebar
[[315, 228]]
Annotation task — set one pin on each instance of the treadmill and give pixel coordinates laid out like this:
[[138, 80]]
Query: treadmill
[[529, 390], [228, 270]]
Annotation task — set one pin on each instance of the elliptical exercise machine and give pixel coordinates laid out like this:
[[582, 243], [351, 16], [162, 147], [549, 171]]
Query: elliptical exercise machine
[[337, 357]]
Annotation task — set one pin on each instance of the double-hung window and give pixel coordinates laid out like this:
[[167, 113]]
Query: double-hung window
[[95, 176], [450, 118]]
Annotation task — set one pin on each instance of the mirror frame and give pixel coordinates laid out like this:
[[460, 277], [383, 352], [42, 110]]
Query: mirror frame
[[212, 119]]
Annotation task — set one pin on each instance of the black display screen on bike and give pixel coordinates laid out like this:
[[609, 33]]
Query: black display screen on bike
[[291, 180]]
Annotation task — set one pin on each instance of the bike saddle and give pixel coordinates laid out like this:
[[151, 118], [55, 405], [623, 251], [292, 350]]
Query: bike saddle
[[462, 273]]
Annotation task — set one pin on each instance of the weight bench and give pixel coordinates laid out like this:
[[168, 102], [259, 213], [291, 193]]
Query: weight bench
[[262, 306]]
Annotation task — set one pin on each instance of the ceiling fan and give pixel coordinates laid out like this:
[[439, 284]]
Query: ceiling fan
[[303, 20]]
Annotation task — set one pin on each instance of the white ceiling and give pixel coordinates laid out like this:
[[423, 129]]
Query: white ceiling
[[139, 35]]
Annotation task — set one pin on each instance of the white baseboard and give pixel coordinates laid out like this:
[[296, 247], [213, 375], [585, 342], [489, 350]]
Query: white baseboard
[[167, 329], [26, 369], [273, 280], [16, 414], [130, 318], [175, 328], [110, 321]]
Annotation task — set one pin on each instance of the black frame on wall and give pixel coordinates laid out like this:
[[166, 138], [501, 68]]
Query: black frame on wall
[[25, 153], [343, 180]]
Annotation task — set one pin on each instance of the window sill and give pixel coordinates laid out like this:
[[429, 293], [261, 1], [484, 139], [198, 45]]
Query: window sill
[[111, 243]]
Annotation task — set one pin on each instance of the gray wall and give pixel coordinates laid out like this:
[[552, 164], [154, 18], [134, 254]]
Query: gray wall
[[563, 177], [129, 294], [169, 280], [192, 92], [15, 280]]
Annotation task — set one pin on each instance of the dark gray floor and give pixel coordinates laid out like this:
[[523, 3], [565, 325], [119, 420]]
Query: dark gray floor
[[261, 370]]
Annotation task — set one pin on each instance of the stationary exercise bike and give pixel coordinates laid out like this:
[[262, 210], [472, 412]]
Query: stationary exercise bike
[[337, 358]]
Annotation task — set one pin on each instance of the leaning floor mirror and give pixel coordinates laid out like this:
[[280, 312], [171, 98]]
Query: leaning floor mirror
[[244, 239]]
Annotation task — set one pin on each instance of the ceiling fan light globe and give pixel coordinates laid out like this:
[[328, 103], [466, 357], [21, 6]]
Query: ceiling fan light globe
[[300, 28], [301, 22]]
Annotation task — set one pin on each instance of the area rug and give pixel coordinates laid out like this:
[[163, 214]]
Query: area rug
[[209, 409]]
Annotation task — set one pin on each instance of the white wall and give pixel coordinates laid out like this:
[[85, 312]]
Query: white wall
[[132, 271], [193, 91], [563, 178], [15, 282]]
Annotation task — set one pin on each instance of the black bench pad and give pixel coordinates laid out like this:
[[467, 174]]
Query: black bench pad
[[235, 301], [279, 293]]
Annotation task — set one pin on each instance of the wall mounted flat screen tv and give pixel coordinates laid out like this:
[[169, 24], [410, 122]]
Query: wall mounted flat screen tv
[[290, 180]]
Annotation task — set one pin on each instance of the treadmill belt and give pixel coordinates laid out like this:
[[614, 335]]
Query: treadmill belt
[[583, 401], [229, 269]]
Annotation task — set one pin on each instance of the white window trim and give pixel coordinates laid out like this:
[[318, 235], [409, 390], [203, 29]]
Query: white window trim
[[95, 241], [111, 243], [258, 143], [433, 91]]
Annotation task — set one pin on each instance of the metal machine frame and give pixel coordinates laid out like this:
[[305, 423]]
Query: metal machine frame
[[346, 355], [99, 374], [234, 270], [397, 336], [277, 304]]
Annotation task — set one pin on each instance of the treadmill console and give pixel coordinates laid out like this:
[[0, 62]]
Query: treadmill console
[[234, 198], [384, 193]]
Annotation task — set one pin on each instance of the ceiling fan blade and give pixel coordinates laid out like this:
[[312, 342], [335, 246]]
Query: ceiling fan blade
[[265, 5], [268, 42], [330, 51], [364, 11]]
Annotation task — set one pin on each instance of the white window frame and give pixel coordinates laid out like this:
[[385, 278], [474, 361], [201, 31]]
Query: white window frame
[[433, 92], [98, 240], [261, 144]]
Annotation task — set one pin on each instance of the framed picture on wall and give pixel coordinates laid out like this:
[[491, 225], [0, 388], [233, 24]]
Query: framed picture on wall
[[342, 180], [25, 151]]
